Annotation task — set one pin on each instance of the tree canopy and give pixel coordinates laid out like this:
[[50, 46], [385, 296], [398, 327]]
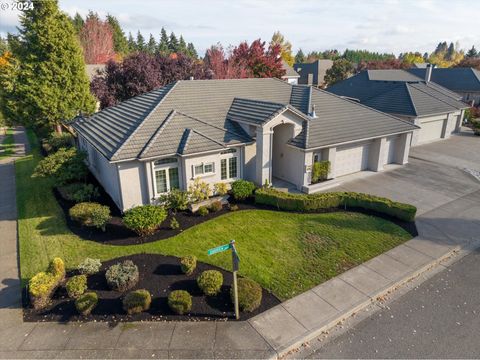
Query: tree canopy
[[96, 37], [285, 47], [341, 70], [120, 42]]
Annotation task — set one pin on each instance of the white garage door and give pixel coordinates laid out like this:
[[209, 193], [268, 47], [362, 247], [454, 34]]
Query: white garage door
[[430, 131], [390, 146], [351, 159]]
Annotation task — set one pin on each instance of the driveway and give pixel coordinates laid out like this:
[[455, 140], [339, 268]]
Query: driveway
[[433, 177]]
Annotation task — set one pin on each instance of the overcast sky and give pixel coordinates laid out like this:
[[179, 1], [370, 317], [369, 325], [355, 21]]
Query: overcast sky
[[385, 26]]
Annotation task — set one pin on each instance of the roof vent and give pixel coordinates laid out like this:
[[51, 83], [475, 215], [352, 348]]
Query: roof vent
[[191, 78], [313, 115], [428, 72]]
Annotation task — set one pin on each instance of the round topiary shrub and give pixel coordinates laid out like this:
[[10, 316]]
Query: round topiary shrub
[[202, 211], [216, 206], [242, 189], [137, 301], [90, 214], [249, 294], [78, 192], [76, 286], [144, 220], [89, 266], [122, 276], [86, 303], [210, 282], [180, 301], [188, 264], [42, 286]]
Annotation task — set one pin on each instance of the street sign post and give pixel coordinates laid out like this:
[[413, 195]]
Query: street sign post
[[235, 266]]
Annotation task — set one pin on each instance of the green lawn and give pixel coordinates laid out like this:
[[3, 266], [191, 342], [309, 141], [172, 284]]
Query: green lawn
[[286, 253], [7, 146]]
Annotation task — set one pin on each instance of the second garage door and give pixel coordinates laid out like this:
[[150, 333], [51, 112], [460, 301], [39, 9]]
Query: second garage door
[[430, 131], [351, 159]]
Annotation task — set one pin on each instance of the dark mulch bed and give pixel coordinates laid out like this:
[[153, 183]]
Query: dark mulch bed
[[159, 275]]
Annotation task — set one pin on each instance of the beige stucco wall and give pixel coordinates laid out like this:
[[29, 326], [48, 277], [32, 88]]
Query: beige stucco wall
[[133, 184], [287, 161], [249, 169]]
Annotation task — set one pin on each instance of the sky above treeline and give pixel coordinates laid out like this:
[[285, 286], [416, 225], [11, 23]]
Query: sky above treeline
[[391, 26]]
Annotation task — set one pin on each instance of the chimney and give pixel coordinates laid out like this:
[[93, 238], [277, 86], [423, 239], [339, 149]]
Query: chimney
[[428, 72]]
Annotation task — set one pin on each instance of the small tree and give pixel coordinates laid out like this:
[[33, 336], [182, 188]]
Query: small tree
[[341, 70], [300, 57], [96, 37]]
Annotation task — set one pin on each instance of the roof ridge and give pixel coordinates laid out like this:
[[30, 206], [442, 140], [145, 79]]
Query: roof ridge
[[362, 105], [156, 134], [476, 73], [121, 147], [259, 101], [208, 137], [443, 101], [184, 143], [410, 98]]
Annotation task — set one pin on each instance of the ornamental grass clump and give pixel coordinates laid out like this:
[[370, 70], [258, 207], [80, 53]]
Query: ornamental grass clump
[[76, 286], [145, 219], [90, 214], [137, 301], [122, 276], [249, 294], [86, 303], [210, 282], [42, 286], [188, 264], [180, 301]]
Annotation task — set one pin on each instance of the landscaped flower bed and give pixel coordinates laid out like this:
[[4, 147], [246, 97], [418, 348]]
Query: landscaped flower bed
[[159, 275]]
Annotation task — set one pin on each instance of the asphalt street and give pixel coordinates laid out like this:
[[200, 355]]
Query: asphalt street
[[438, 319]]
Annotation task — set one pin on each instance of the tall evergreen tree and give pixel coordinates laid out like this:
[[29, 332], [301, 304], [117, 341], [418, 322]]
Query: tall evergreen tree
[[140, 45], [173, 45], [299, 57], [78, 22], [182, 46], [163, 44], [472, 53], [120, 42], [132, 46], [51, 84], [3, 45], [450, 52], [191, 51], [151, 45]]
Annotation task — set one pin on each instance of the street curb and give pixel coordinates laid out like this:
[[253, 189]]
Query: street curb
[[312, 334]]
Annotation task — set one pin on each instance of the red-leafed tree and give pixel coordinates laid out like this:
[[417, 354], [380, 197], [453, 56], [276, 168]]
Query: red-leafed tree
[[96, 38], [470, 63], [383, 64], [220, 67], [262, 63]]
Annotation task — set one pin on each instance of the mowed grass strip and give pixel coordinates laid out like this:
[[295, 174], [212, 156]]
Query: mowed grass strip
[[7, 146], [286, 253]]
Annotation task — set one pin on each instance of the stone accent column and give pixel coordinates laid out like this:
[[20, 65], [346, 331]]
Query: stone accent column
[[402, 148], [263, 159], [376, 156]]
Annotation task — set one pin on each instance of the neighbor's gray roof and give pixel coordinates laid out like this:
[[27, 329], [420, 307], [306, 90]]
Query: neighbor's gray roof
[[196, 115], [289, 72], [455, 79], [317, 68], [397, 92]]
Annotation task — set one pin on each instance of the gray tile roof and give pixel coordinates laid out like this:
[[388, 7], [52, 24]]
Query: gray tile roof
[[397, 92], [317, 68], [455, 79], [289, 72], [192, 116]]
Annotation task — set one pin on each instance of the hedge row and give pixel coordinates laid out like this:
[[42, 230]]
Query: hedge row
[[313, 202]]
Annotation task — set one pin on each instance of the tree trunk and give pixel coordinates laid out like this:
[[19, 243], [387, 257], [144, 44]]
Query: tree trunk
[[58, 128]]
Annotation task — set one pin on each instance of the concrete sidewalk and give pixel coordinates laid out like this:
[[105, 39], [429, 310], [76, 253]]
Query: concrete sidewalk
[[442, 230]]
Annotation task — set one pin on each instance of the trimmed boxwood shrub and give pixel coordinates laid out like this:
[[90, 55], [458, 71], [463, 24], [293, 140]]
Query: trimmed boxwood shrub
[[122, 276], [202, 211], [176, 200], [57, 141], [137, 301], [42, 286], [249, 294], [76, 286], [180, 301], [216, 206], [320, 171], [90, 214], [78, 192], [188, 264], [145, 219], [86, 303], [242, 189], [89, 266], [210, 282], [320, 201]]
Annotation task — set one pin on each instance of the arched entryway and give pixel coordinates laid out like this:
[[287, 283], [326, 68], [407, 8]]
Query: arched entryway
[[283, 155]]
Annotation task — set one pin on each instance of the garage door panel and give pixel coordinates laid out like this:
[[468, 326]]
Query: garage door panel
[[430, 131], [351, 159], [390, 147]]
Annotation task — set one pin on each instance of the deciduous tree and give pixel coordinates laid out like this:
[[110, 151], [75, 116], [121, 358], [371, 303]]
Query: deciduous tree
[[285, 47], [97, 40], [260, 62], [220, 66], [340, 70]]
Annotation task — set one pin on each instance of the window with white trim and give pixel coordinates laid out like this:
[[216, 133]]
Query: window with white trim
[[204, 169], [229, 167], [166, 175]]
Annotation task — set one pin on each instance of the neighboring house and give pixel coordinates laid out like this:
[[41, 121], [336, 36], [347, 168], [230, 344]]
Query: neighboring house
[[223, 130], [313, 73], [291, 76], [437, 110], [94, 70], [463, 81]]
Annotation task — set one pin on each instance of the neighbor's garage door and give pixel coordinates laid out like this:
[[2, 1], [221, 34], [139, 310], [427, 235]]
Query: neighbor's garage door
[[390, 147], [351, 159], [430, 131]]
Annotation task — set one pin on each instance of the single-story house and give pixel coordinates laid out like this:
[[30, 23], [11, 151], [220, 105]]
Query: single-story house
[[313, 73], [463, 81], [436, 110], [291, 76], [222, 130]]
